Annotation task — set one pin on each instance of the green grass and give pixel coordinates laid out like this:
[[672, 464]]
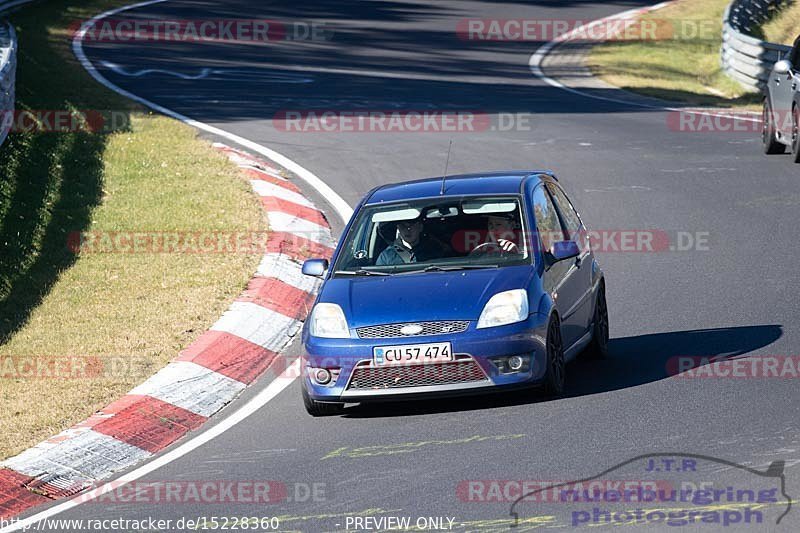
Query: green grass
[[156, 175], [784, 26], [680, 69]]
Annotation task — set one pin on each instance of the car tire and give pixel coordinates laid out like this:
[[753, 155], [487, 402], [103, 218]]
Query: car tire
[[316, 408], [768, 137], [795, 134], [555, 376], [598, 347]]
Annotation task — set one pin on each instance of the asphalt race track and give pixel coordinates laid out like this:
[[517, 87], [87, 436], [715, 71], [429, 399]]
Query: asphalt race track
[[624, 168]]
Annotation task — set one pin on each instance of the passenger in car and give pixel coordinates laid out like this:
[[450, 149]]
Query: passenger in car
[[411, 246]]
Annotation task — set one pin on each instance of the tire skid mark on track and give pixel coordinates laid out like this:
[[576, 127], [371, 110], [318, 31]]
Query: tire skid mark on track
[[409, 447]]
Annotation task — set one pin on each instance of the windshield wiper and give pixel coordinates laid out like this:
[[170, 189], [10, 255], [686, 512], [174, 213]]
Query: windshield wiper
[[362, 272], [448, 268]]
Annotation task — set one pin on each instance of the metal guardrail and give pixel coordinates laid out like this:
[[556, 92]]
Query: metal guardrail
[[745, 58], [8, 70], [8, 67]]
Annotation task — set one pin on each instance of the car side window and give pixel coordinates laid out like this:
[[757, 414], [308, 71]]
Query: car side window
[[570, 218], [547, 224]]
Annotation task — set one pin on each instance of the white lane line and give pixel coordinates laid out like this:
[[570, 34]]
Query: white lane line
[[261, 399], [144, 72], [229, 75], [276, 386], [342, 208], [536, 59], [192, 387]]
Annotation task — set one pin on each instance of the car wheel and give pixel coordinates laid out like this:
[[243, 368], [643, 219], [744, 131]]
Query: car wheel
[[771, 144], [598, 348], [795, 135], [316, 408], [555, 378]]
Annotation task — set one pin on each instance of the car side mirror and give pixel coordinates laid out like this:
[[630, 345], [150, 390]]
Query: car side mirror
[[315, 267], [782, 67], [562, 250]]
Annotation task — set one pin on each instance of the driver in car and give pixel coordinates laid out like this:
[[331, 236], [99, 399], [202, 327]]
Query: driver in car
[[411, 246], [500, 236]]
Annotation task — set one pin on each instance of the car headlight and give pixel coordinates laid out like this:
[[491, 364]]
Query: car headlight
[[327, 320], [504, 308]]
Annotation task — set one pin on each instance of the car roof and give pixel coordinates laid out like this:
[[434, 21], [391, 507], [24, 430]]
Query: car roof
[[503, 182]]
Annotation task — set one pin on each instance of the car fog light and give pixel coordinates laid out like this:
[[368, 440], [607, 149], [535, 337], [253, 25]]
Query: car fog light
[[515, 362], [322, 376]]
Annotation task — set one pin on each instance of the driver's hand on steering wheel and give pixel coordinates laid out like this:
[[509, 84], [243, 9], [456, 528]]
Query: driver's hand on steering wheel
[[502, 246]]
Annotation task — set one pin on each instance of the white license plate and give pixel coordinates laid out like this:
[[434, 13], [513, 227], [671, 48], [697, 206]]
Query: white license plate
[[412, 354]]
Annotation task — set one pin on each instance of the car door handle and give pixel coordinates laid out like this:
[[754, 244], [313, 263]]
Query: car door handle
[[794, 85]]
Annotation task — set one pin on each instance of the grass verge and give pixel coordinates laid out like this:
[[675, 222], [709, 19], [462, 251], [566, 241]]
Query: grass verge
[[683, 66], [784, 27], [135, 309]]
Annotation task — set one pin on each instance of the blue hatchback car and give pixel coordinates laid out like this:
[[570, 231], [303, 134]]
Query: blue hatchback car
[[451, 286]]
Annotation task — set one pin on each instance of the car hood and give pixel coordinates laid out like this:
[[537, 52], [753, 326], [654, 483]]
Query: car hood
[[459, 295]]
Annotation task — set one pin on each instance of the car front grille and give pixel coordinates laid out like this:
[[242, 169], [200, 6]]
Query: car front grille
[[385, 331], [395, 377]]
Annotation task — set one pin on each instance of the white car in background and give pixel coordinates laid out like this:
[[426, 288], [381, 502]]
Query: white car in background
[[781, 115]]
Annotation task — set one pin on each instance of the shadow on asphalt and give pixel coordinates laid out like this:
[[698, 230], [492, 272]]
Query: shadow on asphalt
[[632, 361], [379, 56]]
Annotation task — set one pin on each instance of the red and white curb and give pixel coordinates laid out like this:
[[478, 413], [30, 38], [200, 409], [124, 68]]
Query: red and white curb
[[206, 376]]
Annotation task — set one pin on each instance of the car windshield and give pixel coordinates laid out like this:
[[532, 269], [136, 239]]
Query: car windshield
[[435, 234]]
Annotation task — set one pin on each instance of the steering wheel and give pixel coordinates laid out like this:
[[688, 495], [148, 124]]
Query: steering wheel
[[495, 248], [485, 248]]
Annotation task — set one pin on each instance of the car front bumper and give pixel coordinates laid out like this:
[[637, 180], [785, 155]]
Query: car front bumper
[[472, 371]]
